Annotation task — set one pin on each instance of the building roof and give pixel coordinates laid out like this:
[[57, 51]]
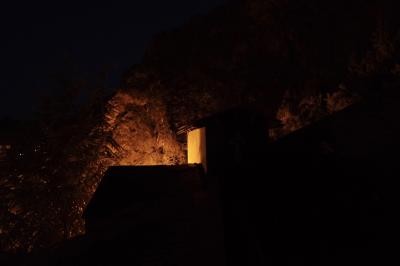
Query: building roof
[[124, 186], [235, 115]]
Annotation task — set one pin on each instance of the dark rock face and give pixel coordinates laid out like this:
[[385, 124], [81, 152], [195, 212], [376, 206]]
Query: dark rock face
[[252, 52]]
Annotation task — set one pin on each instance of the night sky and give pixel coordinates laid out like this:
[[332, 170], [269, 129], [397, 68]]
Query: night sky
[[37, 39]]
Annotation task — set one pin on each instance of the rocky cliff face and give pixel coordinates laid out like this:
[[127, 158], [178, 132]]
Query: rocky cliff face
[[140, 127], [294, 60]]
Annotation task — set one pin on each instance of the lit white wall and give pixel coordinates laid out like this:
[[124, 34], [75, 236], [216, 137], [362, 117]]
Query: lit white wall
[[196, 142]]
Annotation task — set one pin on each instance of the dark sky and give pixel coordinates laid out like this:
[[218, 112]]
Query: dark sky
[[38, 38]]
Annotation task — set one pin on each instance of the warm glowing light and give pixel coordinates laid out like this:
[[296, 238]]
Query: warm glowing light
[[196, 142]]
